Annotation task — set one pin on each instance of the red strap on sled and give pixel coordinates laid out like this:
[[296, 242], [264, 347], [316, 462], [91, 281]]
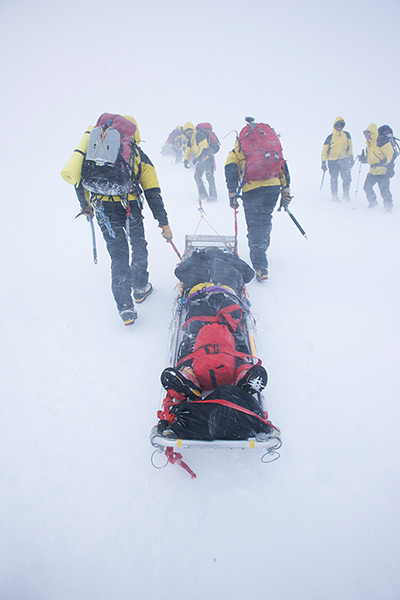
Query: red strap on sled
[[236, 407], [223, 315], [170, 399], [176, 457]]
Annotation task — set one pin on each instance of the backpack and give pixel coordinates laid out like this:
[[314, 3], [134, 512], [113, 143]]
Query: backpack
[[262, 150], [212, 139], [385, 136], [106, 168], [214, 354], [227, 413]]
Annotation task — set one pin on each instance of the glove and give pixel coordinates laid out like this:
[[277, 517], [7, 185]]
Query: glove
[[87, 211], [390, 170], [324, 167], [166, 232], [285, 198], [362, 158], [186, 164], [351, 162], [233, 200]]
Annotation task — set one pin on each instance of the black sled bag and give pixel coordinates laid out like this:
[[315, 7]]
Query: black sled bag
[[211, 419]]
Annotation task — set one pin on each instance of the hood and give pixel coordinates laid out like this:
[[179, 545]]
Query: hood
[[137, 134], [188, 125], [374, 131], [338, 119]]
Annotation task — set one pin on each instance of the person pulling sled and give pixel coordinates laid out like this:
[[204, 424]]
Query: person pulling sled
[[110, 172], [256, 171]]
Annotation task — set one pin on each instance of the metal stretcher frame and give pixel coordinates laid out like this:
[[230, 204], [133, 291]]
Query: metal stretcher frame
[[270, 443]]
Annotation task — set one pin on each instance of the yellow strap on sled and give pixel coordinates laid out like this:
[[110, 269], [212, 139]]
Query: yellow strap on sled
[[208, 284]]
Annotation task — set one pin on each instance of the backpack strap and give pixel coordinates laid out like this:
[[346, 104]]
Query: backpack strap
[[223, 316], [136, 189], [207, 349]]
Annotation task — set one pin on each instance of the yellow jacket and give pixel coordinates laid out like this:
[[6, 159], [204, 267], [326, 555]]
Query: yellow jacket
[[234, 167], [338, 144], [197, 144], [378, 156]]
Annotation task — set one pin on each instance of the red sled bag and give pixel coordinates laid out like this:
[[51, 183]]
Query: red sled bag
[[214, 356], [212, 139], [262, 150]]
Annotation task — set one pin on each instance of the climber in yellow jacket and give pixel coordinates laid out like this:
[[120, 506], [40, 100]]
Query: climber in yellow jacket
[[380, 156], [259, 197], [338, 151], [202, 159], [120, 215]]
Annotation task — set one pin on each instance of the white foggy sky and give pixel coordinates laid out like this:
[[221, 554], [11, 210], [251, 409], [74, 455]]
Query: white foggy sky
[[295, 64]]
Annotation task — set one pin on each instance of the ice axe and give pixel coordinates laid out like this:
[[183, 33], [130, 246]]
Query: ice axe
[[295, 221], [90, 219], [322, 180]]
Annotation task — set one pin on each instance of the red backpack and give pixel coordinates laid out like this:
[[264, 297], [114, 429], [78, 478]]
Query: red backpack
[[262, 150], [212, 139], [214, 350], [214, 356]]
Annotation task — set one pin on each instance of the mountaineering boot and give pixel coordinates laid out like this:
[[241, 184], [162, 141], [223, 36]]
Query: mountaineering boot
[[129, 315], [346, 197], [254, 380], [262, 274], [335, 198], [141, 294], [172, 379], [388, 207], [372, 204]]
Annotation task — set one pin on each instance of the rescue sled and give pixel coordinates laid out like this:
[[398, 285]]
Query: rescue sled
[[165, 441]]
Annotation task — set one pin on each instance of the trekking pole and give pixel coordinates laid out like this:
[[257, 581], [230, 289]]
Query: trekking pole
[[358, 181], [90, 219], [295, 221], [322, 180]]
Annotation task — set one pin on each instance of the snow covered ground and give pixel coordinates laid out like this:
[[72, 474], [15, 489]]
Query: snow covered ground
[[83, 512]]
